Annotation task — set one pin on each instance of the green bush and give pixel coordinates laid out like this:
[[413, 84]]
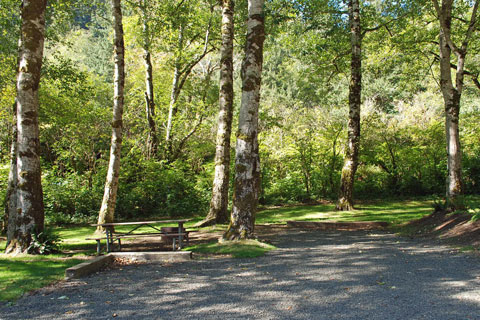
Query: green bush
[[44, 242]]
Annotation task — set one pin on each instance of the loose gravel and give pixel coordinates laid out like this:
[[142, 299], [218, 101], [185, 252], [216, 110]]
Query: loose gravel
[[313, 275]]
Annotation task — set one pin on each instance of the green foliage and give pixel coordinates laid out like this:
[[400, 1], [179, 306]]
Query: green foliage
[[44, 242], [149, 188]]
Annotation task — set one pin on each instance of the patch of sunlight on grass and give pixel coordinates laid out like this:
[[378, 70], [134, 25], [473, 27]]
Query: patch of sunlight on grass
[[22, 274], [238, 249], [392, 211]]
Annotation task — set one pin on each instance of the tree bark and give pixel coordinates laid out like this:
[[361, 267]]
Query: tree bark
[[247, 160], [111, 185], [152, 140], [452, 95], [218, 212], [345, 200], [29, 217], [11, 195], [172, 109]]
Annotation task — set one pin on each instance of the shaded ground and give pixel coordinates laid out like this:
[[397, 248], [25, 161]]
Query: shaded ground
[[313, 275], [454, 228]]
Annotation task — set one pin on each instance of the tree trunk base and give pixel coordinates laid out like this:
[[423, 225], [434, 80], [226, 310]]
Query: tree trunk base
[[344, 205], [233, 233], [205, 223]]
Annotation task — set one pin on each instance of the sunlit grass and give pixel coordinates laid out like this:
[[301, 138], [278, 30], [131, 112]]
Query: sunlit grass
[[393, 211], [23, 274], [237, 249]]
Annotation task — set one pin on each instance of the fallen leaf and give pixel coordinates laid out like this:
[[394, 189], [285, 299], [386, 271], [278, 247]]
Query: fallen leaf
[[69, 312], [114, 315], [108, 302]]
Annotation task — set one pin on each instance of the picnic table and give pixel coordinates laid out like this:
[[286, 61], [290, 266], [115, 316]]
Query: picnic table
[[176, 234]]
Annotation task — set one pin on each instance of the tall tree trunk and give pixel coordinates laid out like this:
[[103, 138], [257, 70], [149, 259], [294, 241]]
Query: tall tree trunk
[[152, 140], [29, 217], [172, 109], [345, 200], [111, 185], [247, 160], [452, 94], [11, 195], [218, 212]]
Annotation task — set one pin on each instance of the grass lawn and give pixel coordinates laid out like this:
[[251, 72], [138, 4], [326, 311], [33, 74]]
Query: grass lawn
[[237, 249], [22, 274], [393, 211]]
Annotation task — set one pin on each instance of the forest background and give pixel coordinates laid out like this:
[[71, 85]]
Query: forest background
[[303, 112]]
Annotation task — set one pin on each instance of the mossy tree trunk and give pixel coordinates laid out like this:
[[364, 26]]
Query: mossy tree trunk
[[218, 212], [29, 211], [452, 94], [111, 185], [345, 200], [247, 160]]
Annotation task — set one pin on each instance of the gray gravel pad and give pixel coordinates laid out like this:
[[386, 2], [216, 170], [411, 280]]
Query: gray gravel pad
[[313, 275]]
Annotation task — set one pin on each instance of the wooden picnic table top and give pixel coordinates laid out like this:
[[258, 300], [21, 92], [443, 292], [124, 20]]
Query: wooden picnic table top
[[112, 224]]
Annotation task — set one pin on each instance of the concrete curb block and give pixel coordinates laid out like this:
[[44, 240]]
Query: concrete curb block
[[89, 267], [333, 225], [86, 268]]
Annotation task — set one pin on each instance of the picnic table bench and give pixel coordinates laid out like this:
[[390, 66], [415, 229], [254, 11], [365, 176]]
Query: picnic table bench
[[174, 234]]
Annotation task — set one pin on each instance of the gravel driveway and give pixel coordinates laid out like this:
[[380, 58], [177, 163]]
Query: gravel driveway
[[313, 275]]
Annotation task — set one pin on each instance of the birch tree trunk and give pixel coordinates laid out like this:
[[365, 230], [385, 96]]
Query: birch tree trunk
[[11, 196], [451, 96], [29, 217], [172, 109], [152, 140], [247, 160], [111, 185], [345, 200], [218, 212]]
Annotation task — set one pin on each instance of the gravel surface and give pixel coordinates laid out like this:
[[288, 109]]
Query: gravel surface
[[313, 275]]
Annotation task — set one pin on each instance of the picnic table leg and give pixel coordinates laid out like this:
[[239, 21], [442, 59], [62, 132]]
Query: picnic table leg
[[107, 231], [98, 247], [180, 235]]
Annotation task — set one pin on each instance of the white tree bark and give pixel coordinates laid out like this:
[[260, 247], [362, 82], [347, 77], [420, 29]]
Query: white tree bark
[[111, 185], [29, 216], [247, 160], [218, 212], [452, 94]]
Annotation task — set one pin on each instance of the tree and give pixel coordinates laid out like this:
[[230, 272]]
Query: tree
[[29, 213], [189, 52], [152, 141], [218, 212], [111, 185], [452, 94], [247, 160], [345, 200]]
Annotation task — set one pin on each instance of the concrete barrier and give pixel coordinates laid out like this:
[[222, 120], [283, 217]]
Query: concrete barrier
[[94, 265], [86, 268]]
